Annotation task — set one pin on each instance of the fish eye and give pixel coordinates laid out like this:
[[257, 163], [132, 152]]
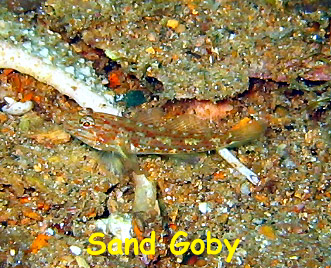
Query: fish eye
[[87, 121]]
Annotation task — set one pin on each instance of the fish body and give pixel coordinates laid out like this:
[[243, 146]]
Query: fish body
[[119, 134]]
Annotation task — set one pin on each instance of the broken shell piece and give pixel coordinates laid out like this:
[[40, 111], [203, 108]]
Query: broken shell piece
[[118, 224], [233, 161], [16, 108], [145, 196]]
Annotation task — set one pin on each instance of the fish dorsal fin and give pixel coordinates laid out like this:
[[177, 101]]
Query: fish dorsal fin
[[152, 116], [188, 123]]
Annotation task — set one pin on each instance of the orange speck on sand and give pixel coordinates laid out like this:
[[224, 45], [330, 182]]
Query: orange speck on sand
[[114, 79], [268, 232], [43, 206], [12, 222], [136, 230], [321, 224], [25, 221], [3, 117], [7, 131], [27, 97], [251, 110], [219, 175], [37, 99], [25, 200], [92, 213], [27, 212], [173, 226], [40, 242], [261, 198], [17, 83]]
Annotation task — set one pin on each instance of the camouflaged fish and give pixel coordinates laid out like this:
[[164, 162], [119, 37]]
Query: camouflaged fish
[[128, 136]]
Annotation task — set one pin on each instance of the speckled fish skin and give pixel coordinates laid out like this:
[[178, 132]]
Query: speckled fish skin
[[113, 133]]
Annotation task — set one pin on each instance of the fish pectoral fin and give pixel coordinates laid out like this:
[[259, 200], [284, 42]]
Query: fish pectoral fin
[[130, 161], [246, 131], [112, 161], [119, 163]]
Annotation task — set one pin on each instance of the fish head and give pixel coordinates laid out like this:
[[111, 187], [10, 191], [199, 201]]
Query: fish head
[[95, 129]]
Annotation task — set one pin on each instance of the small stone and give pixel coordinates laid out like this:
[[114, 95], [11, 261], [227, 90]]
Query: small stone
[[50, 232], [82, 263], [150, 50], [37, 167], [201, 263], [204, 207], [268, 232], [172, 23], [85, 71], [245, 188], [181, 28], [75, 250], [223, 218], [288, 163], [151, 37], [258, 221], [118, 224], [12, 252], [246, 217]]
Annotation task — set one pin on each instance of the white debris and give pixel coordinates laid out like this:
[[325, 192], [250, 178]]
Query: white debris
[[234, 162], [245, 188], [75, 250], [118, 224], [145, 195], [16, 108], [204, 207], [12, 252], [14, 57], [50, 231]]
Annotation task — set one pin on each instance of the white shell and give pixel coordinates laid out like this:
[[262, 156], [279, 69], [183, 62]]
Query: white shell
[[16, 108]]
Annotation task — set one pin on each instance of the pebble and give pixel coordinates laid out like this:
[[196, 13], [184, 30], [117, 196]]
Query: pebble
[[204, 207], [288, 163], [245, 188], [75, 250]]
